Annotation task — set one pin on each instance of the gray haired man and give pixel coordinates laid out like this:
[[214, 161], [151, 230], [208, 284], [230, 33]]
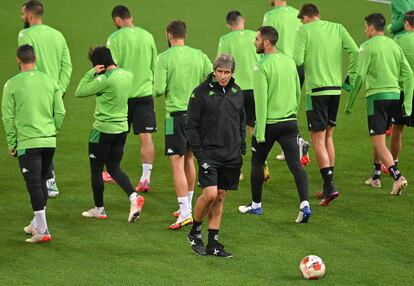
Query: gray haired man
[[216, 129]]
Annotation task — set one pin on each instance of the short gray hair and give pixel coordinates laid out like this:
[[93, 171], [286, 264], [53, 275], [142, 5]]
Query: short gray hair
[[224, 61]]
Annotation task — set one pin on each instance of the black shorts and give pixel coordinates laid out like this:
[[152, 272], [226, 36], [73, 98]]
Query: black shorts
[[399, 118], [175, 140], [105, 148], [321, 111], [223, 175], [380, 112], [141, 115], [249, 107]]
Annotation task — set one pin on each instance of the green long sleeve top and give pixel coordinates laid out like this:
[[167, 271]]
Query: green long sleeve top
[[112, 91], [51, 51], [276, 91], [240, 44], [398, 10], [178, 71], [285, 20], [32, 110], [382, 65], [133, 49], [319, 47]]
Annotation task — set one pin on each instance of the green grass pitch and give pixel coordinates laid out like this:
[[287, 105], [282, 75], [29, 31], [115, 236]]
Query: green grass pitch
[[365, 238]]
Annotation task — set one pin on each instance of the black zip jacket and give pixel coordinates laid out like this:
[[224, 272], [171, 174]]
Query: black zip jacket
[[216, 123]]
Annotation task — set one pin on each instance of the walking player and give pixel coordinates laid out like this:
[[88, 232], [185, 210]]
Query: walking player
[[277, 94], [133, 49], [111, 86], [319, 47], [216, 130], [383, 65], [33, 112], [52, 58], [178, 71]]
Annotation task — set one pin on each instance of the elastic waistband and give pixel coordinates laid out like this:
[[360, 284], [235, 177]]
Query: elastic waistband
[[292, 116], [178, 113], [323, 88]]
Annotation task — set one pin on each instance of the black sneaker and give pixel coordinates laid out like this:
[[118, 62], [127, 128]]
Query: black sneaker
[[218, 250], [197, 245]]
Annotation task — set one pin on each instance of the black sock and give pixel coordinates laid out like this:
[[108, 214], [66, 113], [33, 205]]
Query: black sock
[[213, 237], [396, 163], [327, 175], [332, 169], [376, 173], [196, 229], [394, 172]]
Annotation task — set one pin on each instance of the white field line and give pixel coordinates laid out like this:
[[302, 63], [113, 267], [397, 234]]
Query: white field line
[[381, 1]]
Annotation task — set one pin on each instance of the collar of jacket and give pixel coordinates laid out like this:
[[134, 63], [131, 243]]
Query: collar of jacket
[[214, 85]]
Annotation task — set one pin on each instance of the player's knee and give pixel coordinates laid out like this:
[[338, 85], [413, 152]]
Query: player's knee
[[221, 194]]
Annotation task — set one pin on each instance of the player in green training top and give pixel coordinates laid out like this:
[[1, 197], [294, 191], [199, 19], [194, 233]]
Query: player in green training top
[[238, 43], [52, 57], [284, 19], [383, 64], [319, 46], [406, 42], [33, 112], [133, 49], [111, 86], [398, 10], [178, 71], [277, 94]]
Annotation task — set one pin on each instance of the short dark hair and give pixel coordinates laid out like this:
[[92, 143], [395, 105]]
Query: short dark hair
[[26, 54], [269, 33], [34, 7], [310, 10], [101, 56], [121, 11], [178, 29], [233, 18], [409, 17], [377, 20]]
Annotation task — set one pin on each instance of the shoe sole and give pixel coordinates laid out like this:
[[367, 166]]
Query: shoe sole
[[177, 226], [400, 189], [140, 204], [43, 239]]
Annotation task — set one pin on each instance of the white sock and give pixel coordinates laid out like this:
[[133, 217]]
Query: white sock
[[190, 200], [33, 222], [41, 221], [184, 208], [133, 196], [256, 205], [100, 209], [304, 204], [146, 172]]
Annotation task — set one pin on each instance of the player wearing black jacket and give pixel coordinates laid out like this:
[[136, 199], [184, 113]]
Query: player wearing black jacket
[[216, 129]]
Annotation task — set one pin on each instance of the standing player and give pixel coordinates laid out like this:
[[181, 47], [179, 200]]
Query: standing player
[[277, 94], [111, 86], [52, 58], [238, 43], [133, 49], [319, 47], [178, 71], [383, 64], [398, 10], [406, 42], [216, 130], [33, 112]]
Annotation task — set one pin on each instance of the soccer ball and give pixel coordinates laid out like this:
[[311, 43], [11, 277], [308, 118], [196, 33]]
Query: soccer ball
[[312, 267]]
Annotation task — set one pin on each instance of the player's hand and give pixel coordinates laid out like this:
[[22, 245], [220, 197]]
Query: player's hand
[[12, 152], [99, 69]]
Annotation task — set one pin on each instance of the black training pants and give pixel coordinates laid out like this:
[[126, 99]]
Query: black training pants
[[108, 151], [287, 134], [35, 165]]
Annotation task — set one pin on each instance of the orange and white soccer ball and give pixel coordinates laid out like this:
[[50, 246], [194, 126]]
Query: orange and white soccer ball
[[312, 267]]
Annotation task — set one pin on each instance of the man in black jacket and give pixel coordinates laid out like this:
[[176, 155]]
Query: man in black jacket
[[216, 129]]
